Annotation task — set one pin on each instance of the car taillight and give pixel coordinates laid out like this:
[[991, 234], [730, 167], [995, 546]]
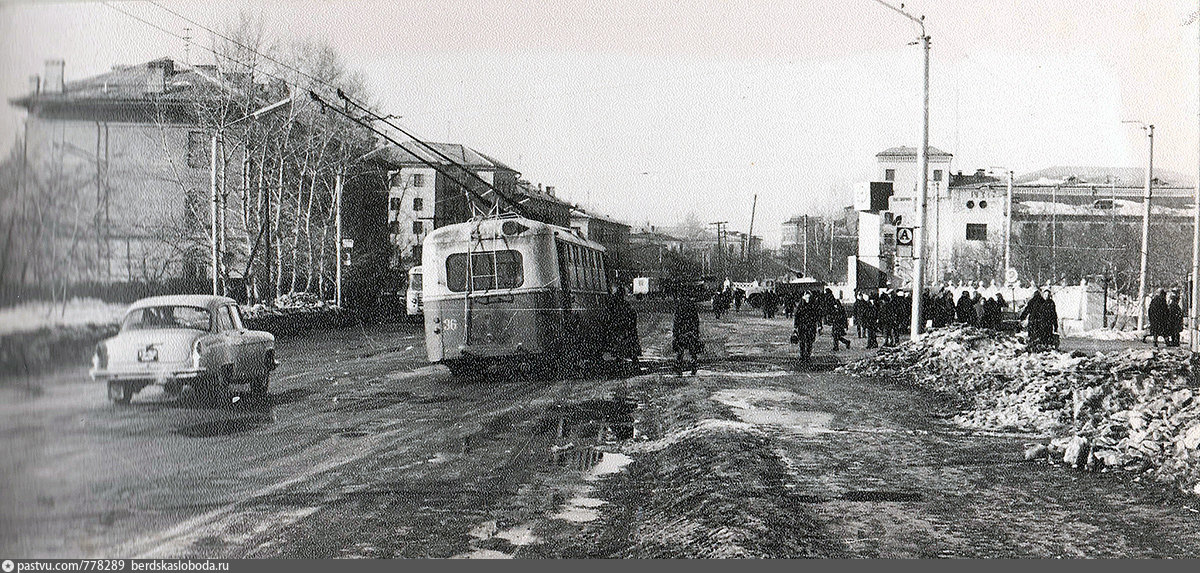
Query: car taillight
[[196, 354], [100, 359]]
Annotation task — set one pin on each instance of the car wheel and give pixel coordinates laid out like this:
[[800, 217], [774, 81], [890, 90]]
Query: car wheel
[[217, 389], [120, 393], [261, 385]]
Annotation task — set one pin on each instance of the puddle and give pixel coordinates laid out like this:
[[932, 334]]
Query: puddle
[[767, 374], [759, 407], [483, 554], [582, 508], [224, 427], [382, 400], [519, 535]]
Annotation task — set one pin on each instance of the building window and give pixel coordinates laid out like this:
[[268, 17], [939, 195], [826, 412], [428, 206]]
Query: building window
[[937, 174], [197, 149], [976, 232], [417, 227], [970, 204], [418, 180], [395, 204], [418, 203], [889, 174]]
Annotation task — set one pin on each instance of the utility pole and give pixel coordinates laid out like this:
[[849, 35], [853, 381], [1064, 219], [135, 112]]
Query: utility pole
[[212, 176], [923, 160], [1145, 223], [1008, 217], [720, 244], [1193, 314], [337, 223], [806, 245]]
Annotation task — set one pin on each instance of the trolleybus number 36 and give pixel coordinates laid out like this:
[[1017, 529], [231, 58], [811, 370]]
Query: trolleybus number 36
[[450, 324]]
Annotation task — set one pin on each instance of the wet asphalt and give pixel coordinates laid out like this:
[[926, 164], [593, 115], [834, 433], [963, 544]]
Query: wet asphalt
[[364, 449]]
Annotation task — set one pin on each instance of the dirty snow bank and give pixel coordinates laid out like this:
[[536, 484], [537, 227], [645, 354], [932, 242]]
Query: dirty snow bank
[[1135, 409], [716, 490]]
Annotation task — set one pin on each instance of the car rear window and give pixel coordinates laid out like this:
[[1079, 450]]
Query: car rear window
[[154, 317]]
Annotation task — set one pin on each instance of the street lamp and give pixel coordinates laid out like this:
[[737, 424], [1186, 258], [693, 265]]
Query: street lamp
[[1008, 217], [1145, 222], [919, 233], [217, 136]]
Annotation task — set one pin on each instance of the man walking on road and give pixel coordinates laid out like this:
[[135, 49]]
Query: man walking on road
[[838, 323], [686, 331], [805, 319], [1158, 316]]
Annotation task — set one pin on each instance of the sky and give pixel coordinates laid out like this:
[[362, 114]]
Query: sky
[[647, 110]]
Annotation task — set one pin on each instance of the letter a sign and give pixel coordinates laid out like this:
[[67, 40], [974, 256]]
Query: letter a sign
[[904, 236]]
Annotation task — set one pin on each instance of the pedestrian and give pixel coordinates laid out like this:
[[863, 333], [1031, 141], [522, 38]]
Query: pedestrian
[[1033, 314], [977, 303], [720, 303], [1174, 319], [789, 304], [838, 324], [1049, 320], [965, 311], [686, 331], [991, 314], [764, 299], [871, 319], [805, 318], [947, 307], [860, 307], [739, 297], [772, 303], [887, 318], [623, 325], [1158, 317]]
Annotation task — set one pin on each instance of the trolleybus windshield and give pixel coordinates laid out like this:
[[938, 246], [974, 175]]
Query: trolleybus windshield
[[489, 270]]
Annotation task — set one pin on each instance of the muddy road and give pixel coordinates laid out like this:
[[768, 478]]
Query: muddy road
[[365, 450]]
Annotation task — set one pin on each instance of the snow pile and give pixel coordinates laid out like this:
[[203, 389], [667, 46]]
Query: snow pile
[[34, 315], [1135, 409]]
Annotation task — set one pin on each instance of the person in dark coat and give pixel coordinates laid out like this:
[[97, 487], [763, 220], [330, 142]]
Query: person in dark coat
[[805, 318], [1158, 316], [991, 313], [887, 318], [871, 319], [947, 307], [686, 332], [721, 302], [1174, 319], [1049, 320], [977, 303], [838, 323], [860, 307], [965, 311], [739, 297], [789, 305], [623, 323], [1033, 313]]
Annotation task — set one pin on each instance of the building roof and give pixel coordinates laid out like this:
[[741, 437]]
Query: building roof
[[410, 153], [655, 235], [1061, 175], [1120, 208], [906, 151], [580, 212], [124, 84]]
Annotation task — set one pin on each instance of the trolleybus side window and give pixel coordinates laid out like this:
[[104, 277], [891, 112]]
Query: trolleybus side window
[[489, 270]]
